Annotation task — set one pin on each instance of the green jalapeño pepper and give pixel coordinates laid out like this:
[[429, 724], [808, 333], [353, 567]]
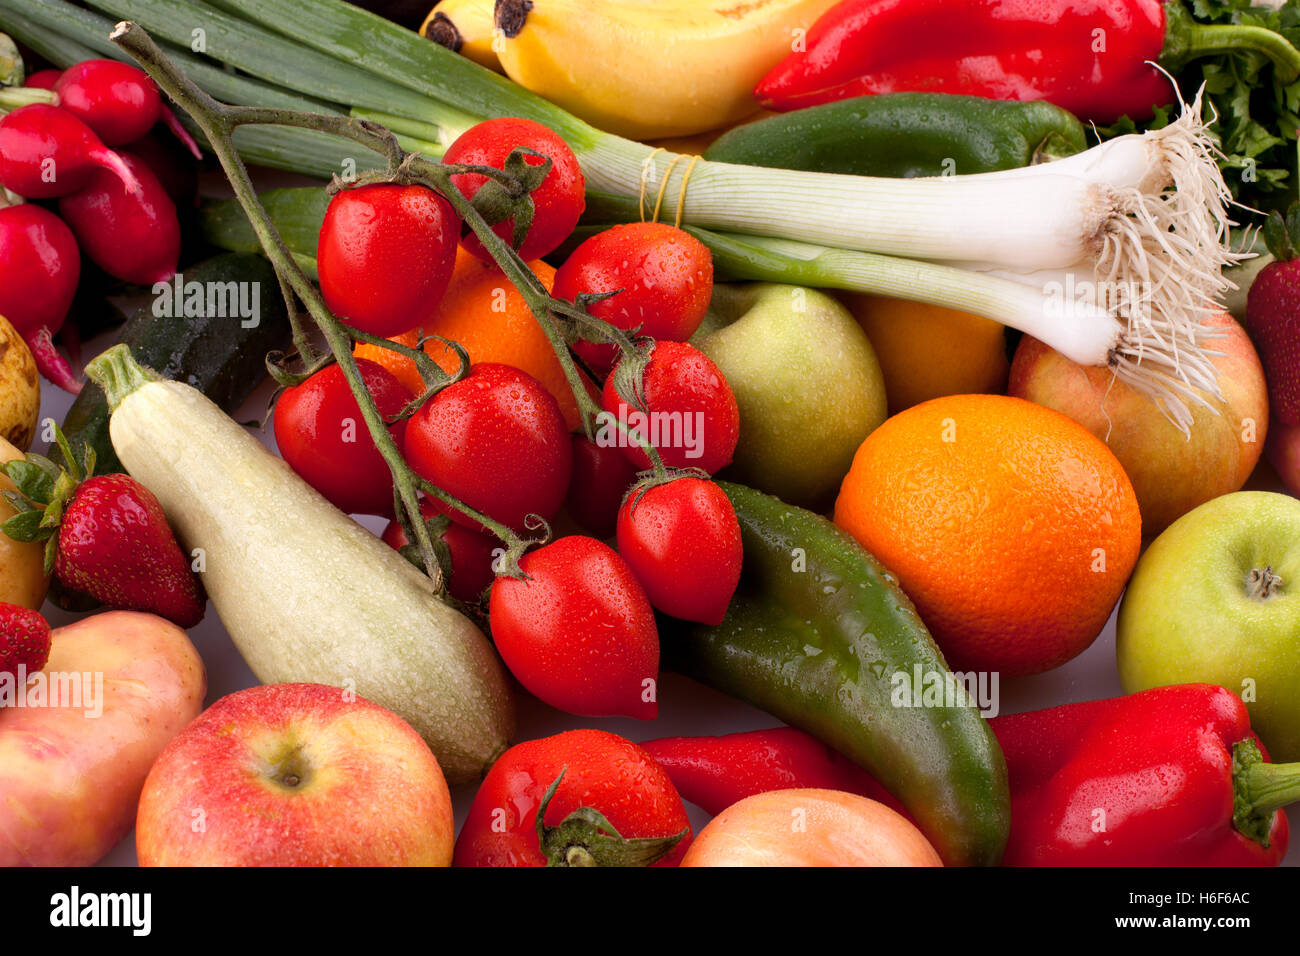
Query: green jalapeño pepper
[[904, 135], [819, 635]]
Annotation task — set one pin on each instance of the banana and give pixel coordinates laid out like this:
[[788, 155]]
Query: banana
[[464, 26], [649, 69]]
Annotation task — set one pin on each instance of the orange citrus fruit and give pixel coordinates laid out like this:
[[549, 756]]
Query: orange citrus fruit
[[1010, 526], [485, 313], [926, 351]]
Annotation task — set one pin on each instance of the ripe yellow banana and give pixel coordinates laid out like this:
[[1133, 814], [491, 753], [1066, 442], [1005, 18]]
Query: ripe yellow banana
[[466, 27], [645, 69]]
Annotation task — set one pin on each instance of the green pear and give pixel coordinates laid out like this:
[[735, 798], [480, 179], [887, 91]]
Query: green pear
[[1216, 600], [807, 383]]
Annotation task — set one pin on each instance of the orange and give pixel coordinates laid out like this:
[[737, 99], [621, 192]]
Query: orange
[[926, 351], [486, 314], [1010, 526]]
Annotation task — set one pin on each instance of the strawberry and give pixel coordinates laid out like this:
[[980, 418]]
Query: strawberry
[[24, 639], [1273, 315], [107, 537]]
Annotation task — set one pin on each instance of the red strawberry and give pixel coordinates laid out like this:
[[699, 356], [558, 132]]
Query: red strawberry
[[107, 537], [1273, 316], [24, 639], [115, 545]]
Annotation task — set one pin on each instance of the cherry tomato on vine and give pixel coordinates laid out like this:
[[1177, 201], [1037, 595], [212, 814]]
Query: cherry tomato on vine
[[322, 436], [497, 441], [471, 552], [601, 476], [579, 633], [691, 414], [664, 279], [682, 540], [602, 771], [557, 202], [385, 256]]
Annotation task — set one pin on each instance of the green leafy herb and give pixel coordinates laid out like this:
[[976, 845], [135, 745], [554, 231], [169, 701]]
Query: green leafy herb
[[1256, 116]]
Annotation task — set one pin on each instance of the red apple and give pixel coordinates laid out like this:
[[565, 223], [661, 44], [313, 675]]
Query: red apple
[[296, 775], [1171, 473]]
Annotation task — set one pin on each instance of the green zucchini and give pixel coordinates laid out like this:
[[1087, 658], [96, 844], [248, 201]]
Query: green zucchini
[[306, 593], [223, 356]]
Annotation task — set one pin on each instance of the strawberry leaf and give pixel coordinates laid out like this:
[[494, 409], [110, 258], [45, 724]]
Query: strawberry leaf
[[26, 526], [51, 552], [33, 482]]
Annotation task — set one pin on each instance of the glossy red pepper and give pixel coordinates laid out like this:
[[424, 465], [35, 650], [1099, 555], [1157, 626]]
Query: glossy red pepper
[[1166, 777], [1090, 57], [715, 772]]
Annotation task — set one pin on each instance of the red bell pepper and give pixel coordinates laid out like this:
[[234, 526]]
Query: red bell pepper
[[1090, 57], [1166, 777]]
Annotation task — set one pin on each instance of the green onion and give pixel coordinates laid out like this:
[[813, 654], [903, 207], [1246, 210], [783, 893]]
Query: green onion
[[1145, 212]]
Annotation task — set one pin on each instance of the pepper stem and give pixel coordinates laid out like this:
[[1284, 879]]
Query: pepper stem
[[1187, 40], [1260, 790]]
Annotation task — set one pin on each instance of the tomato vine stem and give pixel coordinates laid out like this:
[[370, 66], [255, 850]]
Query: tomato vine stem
[[218, 122]]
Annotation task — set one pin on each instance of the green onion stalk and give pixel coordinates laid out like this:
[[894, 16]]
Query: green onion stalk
[[1143, 212]]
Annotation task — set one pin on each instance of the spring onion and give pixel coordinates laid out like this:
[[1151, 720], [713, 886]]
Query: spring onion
[[1145, 212]]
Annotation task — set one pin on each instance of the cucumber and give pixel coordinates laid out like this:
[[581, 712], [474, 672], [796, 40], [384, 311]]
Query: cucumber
[[297, 213], [905, 135], [306, 593], [220, 356]]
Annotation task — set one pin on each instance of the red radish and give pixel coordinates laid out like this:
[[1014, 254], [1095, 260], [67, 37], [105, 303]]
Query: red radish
[[39, 270], [135, 237], [116, 100], [43, 79], [47, 152], [173, 166]]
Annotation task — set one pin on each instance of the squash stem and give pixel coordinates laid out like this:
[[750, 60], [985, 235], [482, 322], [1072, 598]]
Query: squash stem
[[118, 373]]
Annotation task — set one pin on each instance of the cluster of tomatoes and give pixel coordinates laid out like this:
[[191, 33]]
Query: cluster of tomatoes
[[574, 620], [118, 206]]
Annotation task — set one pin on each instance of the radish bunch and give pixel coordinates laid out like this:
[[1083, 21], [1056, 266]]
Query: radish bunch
[[112, 205]]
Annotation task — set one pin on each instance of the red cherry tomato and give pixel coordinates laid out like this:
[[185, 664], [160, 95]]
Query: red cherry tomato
[[471, 553], [557, 202], [664, 279], [682, 540], [692, 415], [579, 633], [602, 771], [385, 256], [601, 476], [497, 441], [322, 436]]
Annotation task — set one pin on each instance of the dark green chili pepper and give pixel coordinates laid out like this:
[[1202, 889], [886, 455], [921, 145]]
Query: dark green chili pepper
[[821, 636], [906, 134]]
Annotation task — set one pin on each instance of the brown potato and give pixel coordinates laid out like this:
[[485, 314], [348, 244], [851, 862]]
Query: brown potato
[[20, 389], [22, 566]]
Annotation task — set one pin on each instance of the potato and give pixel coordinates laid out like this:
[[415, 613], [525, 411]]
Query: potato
[[22, 566], [20, 389], [70, 778]]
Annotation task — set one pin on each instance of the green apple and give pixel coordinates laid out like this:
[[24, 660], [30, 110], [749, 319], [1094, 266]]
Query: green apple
[[807, 383], [1216, 600]]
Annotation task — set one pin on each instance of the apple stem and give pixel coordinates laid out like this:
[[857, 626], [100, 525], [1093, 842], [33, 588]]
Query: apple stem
[[1260, 585]]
